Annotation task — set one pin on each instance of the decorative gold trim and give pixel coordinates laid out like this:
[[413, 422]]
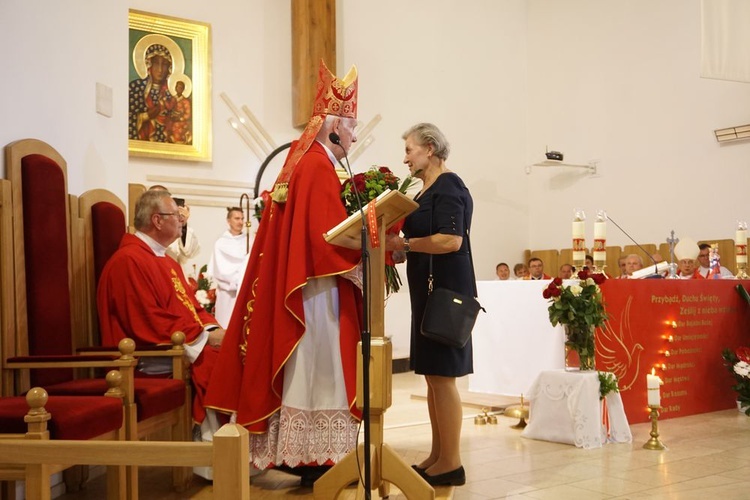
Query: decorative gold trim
[[165, 30]]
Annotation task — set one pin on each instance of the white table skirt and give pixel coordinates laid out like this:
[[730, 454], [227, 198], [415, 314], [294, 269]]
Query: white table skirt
[[565, 408]]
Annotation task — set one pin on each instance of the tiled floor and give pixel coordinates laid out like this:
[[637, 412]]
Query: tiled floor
[[708, 457]]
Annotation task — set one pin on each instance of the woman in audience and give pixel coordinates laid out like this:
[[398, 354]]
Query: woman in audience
[[437, 232]]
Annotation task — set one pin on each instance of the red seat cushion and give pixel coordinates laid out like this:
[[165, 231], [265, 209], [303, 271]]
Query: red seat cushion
[[153, 396], [73, 417]]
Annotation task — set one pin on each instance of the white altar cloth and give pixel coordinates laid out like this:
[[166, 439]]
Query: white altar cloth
[[565, 408], [514, 341]]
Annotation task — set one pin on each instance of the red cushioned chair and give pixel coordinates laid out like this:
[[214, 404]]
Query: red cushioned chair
[[37, 417], [49, 325], [102, 222]]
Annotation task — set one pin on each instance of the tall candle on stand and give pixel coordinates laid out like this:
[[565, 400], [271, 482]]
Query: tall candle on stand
[[579, 238], [654, 392], [600, 239], [740, 249]]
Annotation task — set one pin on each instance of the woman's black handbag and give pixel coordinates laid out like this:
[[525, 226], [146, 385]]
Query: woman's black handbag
[[449, 316]]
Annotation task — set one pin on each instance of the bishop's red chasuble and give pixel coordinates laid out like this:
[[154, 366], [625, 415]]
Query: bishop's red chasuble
[[269, 320]]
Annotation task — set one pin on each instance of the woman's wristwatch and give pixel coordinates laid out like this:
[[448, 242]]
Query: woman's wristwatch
[[407, 247]]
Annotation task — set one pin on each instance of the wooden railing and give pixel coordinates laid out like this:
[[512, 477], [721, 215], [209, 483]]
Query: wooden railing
[[228, 455]]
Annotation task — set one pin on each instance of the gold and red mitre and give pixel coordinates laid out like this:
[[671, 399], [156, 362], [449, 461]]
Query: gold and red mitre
[[334, 96]]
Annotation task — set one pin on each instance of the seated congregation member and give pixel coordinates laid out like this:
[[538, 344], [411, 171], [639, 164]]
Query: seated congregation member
[[621, 266], [633, 263], [686, 253], [589, 262], [520, 271], [704, 260], [566, 272], [536, 270], [143, 295], [503, 271]]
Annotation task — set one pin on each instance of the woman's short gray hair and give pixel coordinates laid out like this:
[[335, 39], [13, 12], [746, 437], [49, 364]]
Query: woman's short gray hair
[[147, 205], [427, 134]]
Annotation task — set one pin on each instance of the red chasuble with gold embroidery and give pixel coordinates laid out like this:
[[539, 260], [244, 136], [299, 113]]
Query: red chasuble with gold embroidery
[[146, 298], [268, 320]]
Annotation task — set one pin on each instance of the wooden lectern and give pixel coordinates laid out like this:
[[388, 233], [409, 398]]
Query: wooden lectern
[[386, 466]]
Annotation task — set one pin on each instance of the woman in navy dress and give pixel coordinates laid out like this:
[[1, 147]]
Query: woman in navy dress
[[438, 229]]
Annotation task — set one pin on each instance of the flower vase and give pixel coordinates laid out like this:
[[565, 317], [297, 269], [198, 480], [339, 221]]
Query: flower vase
[[579, 348], [742, 407]]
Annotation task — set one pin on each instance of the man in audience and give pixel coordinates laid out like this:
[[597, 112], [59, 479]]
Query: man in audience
[[686, 252], [520, 271], [566, 271], [503, 271], [704, 259], [621, 266], [143, 295], [536, 270], [633, 263]]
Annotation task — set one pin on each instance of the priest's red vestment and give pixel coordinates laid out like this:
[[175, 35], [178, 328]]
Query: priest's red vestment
[[268, 321], [146, 298]]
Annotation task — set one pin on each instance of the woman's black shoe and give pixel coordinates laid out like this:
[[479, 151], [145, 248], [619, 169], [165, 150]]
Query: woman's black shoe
[[419, 469], [453, 478]]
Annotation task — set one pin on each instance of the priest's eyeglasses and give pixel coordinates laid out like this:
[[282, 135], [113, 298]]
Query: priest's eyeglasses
[[176, 214]]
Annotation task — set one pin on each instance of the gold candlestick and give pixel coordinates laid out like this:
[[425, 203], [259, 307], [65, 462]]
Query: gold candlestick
[[654, 443]]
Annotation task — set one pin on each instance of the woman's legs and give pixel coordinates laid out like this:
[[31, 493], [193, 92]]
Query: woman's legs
[[435, 448], [446, 420]]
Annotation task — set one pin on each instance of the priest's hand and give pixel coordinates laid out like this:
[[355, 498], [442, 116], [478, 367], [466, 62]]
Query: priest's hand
[[215, 337]]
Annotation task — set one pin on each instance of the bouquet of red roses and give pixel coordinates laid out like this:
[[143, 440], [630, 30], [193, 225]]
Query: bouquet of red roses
[[369, 185], [203, 289]]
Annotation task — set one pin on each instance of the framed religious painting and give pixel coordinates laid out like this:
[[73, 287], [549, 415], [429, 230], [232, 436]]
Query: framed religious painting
[[169, 90]]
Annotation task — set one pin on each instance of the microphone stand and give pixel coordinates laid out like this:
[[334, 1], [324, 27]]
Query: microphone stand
[[656, 264], [366, 334]]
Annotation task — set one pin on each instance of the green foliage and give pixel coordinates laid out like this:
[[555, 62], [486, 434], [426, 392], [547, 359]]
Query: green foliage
[[607, 384]]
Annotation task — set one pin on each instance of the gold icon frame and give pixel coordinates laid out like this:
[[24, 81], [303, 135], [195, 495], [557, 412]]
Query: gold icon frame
[[194, 70]]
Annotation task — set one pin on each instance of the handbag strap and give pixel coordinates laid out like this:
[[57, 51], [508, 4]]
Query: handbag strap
[[430, 278]]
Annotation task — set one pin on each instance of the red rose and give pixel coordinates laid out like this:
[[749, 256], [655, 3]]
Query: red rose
[[546, 293], [598, 278], [583, 274], [384, 170], [743, 354], [211, 295], [555, 292], [557, 281], [359, 182]]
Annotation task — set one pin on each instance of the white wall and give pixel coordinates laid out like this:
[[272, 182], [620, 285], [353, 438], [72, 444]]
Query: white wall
[[53, 54], [618, 82], [614, 81]]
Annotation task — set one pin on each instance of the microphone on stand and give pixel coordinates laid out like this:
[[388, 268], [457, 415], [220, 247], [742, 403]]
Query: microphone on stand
[[334, 138], [659, 267], [366, 334]]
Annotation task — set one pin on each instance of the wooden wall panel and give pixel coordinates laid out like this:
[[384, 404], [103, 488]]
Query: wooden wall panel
[[313, 39]]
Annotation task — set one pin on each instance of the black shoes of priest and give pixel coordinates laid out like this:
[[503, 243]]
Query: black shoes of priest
[[455, 477], [308, 474]]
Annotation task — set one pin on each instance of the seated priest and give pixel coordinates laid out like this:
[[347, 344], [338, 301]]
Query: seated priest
[[143, 295]]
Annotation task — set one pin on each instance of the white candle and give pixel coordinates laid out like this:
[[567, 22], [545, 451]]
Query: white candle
[[654, 393], [579, 229], [740, 237], [600, 230]]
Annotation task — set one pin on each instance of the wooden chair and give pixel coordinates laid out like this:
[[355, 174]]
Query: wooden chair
[[48, 321], [38, 417]]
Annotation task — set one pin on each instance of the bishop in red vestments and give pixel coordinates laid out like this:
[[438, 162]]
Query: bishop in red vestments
[[143, 295], [287, 367]]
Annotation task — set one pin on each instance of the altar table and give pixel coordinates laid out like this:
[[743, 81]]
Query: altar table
[[565, 408], [676, 327]]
